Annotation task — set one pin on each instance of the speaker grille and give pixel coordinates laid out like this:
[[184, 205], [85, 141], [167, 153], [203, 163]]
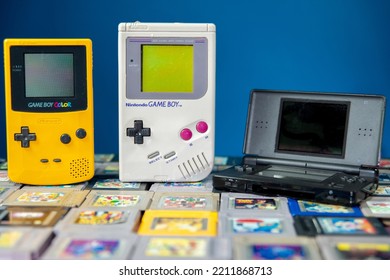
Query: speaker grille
[[193, 166], [261, 124], [365, 132], [79, 168]]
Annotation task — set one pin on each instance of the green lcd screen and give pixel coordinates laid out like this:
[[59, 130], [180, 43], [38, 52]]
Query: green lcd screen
[[167, 68]]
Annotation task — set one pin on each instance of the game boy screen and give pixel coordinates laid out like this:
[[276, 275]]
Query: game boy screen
[[49, 75], [167, 69]]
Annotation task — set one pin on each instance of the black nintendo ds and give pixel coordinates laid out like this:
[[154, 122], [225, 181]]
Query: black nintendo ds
[[317, 146]]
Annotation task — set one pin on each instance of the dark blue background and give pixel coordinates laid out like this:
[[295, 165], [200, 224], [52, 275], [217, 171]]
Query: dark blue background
[[321, 45]]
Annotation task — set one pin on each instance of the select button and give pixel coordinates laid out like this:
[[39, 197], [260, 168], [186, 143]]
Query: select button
[[153, 155]]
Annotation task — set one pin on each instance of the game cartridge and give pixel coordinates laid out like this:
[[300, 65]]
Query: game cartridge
[[382, 190], [182, 248], [386, 223], [46, 197], [221, 163], [185, 201], [104, 158], [201, 186], [249, 223], [4, 165], [107, 169], [21, 243], [118, 199], [358, 226], [376, 207], [5, 181], [5, 192], [31, 216], [101, 219], [274, 248], [311, 208], [91, 245], [251, 203], [184, 223], [354, 248], [116, 184], [384, 176]]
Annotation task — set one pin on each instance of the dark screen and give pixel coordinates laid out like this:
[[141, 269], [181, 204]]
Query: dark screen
[[49, 74], [313, 127]]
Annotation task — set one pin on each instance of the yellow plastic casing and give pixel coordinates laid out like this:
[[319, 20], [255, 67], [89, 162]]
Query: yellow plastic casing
[[47, 160]]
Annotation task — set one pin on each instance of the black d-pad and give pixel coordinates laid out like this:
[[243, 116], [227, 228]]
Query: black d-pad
[[25, 137], [138, 132]]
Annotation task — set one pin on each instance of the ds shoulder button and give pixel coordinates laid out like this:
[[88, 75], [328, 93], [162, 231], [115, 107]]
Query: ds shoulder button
[[81, 133], [65, 138]]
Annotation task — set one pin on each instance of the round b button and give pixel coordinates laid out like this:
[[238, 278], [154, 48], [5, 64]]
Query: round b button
[[186, 134], [202, 127]]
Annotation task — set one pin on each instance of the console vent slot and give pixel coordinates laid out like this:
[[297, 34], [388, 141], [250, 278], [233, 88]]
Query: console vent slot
[[194, 166]]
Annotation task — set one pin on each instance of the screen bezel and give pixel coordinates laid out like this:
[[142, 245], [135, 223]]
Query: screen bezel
[[134, 67], [20, 102], [278, 134]]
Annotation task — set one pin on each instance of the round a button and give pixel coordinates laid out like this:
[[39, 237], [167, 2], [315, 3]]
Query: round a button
[[65, 138], [186, 134], [81, 133], [202, 127]]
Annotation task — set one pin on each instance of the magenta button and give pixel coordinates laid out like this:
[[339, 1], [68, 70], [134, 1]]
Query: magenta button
[[186, 134], [202, 127]]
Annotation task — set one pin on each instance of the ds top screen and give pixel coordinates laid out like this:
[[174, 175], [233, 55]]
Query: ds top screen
[[315, 127], [49, 75], [167, 68]]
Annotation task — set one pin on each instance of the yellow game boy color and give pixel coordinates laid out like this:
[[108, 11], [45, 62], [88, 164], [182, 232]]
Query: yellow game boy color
[[49, 110]]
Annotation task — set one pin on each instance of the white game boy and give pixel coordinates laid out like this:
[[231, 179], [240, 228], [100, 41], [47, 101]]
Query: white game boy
[[166, 101]]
